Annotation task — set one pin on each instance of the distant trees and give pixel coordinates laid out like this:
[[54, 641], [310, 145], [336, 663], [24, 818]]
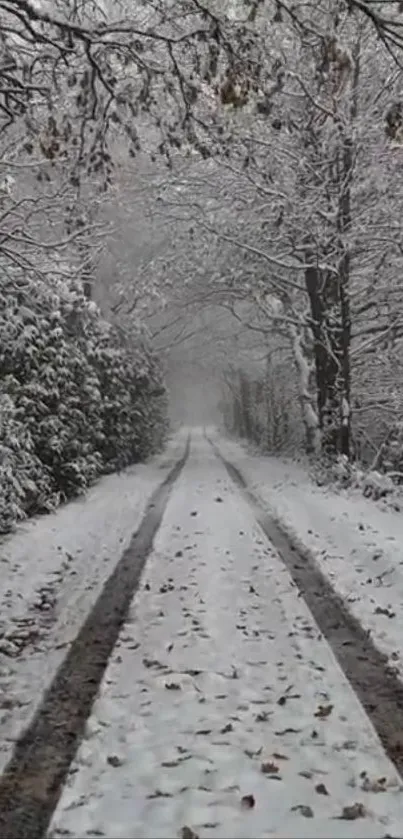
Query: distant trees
[[293, 223]]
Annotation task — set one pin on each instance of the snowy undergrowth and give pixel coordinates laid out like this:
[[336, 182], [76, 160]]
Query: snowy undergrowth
[[223, 712], [78, 399], [356, 542], [342, 474], [52, 571]]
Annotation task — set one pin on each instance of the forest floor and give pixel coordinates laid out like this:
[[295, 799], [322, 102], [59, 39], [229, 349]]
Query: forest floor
[[207, 645]]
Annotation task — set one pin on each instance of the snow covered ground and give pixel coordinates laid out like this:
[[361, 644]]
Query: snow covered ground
[[357, 543], [223, 712], [52, 571]]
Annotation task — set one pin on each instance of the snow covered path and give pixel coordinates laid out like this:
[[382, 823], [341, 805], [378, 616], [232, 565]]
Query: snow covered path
[[52, 571], [356, 543], [223, 712]]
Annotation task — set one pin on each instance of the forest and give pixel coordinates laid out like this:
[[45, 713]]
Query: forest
[[199, 202]]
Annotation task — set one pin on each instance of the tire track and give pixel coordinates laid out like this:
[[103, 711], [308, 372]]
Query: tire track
[[31, 784], [367, 669]]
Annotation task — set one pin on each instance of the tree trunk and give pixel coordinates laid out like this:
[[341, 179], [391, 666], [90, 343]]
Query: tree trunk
[[245, 406], [331, 333], [306, 391]]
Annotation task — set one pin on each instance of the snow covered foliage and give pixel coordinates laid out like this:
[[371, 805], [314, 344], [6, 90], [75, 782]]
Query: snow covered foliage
[[75, 399]]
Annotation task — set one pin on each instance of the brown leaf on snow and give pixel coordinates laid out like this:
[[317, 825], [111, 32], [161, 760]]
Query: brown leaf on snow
[[304, 809], [305, 773], [323, 711], [353, 811], [114, 761], [279, 756], [377, 785], [153, 662], [283, 699], [262, 716], [188, 833], [283, 731], [248, 801], [321, 789], [269, 768], [227, 728]]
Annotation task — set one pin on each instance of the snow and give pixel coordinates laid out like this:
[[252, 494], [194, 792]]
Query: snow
[[219, 669], [52, 571], [356, 542]]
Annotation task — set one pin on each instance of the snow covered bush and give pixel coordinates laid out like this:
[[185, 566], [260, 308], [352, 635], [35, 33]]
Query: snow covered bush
[[75, 399], [25, 486]]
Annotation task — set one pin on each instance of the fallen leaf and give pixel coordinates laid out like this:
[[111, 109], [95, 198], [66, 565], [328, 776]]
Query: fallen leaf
[[114, 761], [160, 794], [387, 612], [172, 686], [304, 809], [188, 833], [203, 731], [306, 774], [248, 801], [323, 711], [321, 789], [269, 768], [283, 699], [262, 716], [218, 499], [227, 728], [279, 756], [377, 785], [283, 731], [353, 811], [152, 662]]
